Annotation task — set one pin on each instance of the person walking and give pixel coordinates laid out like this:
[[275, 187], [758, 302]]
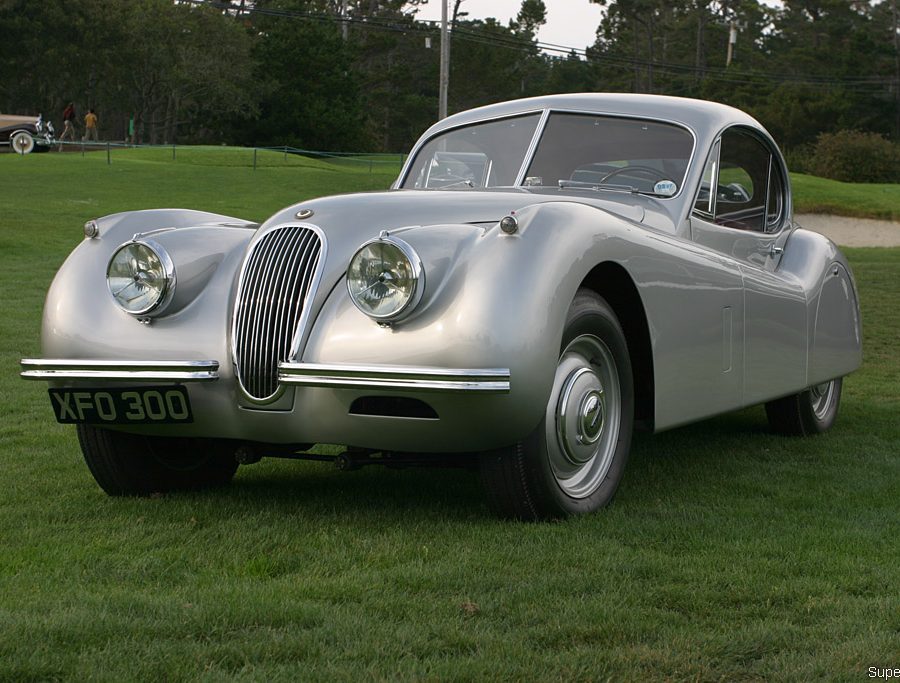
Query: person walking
[[68, 125], [90, 127]]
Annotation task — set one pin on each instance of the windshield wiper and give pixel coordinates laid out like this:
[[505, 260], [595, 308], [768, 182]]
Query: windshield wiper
[[581, 184], [466, 182]]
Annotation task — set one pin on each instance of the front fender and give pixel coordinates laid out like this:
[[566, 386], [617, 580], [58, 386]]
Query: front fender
[[492, 300], [206, 249]]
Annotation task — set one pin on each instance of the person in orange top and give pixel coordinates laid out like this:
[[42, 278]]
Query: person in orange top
[[90, 126]]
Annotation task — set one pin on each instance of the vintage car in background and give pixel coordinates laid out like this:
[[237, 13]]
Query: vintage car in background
[[25, 134], [544, 276]]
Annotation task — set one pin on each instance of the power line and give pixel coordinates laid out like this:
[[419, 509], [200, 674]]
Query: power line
[[477, 35]]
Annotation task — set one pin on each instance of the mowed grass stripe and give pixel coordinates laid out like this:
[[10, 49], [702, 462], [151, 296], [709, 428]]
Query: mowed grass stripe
[[728, 554]]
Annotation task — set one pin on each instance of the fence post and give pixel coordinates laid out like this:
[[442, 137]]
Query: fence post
[[108, 160], [173, 151], [254, 158]]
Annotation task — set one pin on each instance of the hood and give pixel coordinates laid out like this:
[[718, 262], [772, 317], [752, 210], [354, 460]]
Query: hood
[[367, 214], [451, 217], [9, 120], [364, 215]]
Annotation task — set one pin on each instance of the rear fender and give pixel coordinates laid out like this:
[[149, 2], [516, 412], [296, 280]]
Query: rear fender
[[835, 330]]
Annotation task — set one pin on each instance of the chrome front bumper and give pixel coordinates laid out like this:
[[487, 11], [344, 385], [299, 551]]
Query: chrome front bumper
[[395, 377], [119, 370], [335, 376]]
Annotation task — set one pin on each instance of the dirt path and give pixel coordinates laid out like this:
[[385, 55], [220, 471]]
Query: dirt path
[[852, 232]]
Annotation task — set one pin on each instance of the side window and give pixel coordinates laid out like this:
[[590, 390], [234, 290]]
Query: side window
[[742, 186]]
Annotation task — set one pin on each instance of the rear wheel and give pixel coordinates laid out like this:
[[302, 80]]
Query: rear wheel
[[812, 411], [573, 462], [134, 465]]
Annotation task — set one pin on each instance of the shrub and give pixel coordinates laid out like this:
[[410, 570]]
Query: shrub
[[855, 157], [798, 158]]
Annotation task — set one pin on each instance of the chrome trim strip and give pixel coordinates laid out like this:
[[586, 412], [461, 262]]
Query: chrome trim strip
[[396, 377], [532, 146], [120, 370]]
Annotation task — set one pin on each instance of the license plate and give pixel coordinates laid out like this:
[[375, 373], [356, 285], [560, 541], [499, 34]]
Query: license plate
[[133, 405]]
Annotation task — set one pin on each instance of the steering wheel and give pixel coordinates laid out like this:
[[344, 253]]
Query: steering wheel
[[652, 173]]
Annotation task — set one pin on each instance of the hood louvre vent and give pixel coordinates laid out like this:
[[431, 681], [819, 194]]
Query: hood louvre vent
[[276, 284]]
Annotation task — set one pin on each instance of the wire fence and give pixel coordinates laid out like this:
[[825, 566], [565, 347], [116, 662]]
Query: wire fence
[[251, 157]]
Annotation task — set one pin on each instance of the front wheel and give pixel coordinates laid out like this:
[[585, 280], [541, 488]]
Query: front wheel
[[135, 465], [22, 142], [812, 411], [573, 462]]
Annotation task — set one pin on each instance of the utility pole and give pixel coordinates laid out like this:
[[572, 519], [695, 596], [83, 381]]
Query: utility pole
[[344, 20], [445, 63], [732, 40], [896, 35]]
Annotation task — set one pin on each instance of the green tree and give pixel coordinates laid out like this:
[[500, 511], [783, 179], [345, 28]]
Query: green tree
[[308, 92], [163, 62], [837, 58], [532, 15]]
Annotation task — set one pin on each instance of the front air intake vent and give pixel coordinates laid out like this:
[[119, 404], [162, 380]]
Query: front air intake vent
[[276, 284]]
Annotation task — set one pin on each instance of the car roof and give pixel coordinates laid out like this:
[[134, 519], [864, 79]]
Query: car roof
[[699, 115]]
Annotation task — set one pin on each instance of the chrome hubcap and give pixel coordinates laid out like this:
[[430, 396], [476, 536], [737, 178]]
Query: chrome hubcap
[[582, 424], [821, 396], [591, 426], [22, 144]]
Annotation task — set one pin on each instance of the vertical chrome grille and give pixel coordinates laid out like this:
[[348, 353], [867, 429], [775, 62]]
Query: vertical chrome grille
[[274, 287]]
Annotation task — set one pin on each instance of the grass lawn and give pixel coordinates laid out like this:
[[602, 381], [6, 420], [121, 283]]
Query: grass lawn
[[866, 200], [728, 554]]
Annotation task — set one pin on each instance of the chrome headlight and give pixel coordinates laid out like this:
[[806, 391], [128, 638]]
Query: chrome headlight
[[385, 279], [141, 277]]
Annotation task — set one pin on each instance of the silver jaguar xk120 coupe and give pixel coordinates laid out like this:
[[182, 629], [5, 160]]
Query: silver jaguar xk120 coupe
[[544, 276]]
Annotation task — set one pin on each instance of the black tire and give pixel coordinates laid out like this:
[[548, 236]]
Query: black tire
[[134, 465], [573, 462], [812, 411]]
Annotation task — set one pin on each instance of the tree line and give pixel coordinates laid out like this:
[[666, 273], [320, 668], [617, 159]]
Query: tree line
[[351, 75]]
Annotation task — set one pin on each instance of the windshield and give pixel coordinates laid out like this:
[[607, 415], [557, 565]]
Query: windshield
[[583, 150], [482, 155], [590, 151]]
